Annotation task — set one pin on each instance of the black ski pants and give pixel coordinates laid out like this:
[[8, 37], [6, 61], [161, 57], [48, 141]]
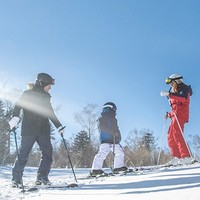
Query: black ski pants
[[27, 142]]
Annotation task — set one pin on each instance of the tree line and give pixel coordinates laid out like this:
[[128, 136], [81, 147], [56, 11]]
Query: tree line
[[140, 146]]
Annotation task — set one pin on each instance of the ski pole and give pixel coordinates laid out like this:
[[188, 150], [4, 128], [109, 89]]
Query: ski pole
[[182, 133], [17, 151], [180, 127], [158, 160], [113, 154], [128, 158], [64, 142]]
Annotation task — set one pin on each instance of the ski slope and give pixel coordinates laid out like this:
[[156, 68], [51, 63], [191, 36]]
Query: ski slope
[[179, 183]]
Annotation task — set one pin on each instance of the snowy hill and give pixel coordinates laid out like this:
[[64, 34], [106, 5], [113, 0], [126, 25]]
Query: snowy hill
[[180, 183]]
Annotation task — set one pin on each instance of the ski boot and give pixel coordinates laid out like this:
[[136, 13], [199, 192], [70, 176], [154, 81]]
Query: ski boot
[[42, 180], [120, 170], [98, 173], [16, 184]]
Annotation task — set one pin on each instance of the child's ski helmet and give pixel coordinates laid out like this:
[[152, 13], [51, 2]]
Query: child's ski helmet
[[109, 106]]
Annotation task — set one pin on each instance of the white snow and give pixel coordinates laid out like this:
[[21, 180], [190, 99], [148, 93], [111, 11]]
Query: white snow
[[179, 183]]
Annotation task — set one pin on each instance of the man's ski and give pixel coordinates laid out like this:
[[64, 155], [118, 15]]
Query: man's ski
[[39, 187], [71, 185], [31, 189], [24, 188], [54, 186]]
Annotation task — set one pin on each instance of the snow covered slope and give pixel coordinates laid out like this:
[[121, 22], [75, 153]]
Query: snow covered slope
[[179, 183]]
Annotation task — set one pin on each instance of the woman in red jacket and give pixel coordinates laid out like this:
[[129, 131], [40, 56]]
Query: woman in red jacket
[[179, 98]]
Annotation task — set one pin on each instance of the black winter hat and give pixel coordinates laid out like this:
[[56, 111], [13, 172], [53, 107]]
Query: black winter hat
[[44, 79]]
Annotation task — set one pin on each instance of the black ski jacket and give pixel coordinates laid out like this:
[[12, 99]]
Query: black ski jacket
[[108, 128], [37, 110]]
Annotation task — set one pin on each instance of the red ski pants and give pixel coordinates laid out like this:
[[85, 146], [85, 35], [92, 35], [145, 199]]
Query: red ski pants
[[176, 140]]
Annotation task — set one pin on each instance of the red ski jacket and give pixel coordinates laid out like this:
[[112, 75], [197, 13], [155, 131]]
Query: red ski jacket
[[180, 102]]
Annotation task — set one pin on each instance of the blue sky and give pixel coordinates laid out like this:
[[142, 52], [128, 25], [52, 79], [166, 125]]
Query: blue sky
[[104, 50]]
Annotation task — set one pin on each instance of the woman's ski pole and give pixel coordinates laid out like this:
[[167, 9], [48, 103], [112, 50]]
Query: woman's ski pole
[[182, 133], [158, 160]]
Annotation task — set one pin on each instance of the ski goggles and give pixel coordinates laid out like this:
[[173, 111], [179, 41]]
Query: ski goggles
[[108, 108], [169, 80]]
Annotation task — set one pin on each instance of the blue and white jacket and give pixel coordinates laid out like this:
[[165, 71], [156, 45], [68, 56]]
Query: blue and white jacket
[[108, 128]]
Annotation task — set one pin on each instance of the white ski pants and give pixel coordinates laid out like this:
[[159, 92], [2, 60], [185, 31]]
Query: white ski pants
[[104, 150]]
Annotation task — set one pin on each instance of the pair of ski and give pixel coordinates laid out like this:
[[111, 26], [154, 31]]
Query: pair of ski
[[39, 187], [137, 170]]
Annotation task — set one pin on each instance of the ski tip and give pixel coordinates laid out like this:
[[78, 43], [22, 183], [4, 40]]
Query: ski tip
[[29, 190], [32, 189], [23, 191], [72, 185]]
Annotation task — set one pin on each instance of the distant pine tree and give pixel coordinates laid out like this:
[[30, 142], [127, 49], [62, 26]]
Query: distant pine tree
[[4, 135], [81, 146], [148, 140]]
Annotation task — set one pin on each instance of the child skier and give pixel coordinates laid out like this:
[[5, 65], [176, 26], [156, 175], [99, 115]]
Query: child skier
[[110, 138]]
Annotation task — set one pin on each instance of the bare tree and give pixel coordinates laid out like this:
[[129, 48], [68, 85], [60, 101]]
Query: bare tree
[[87, 118], [196, 146], [7, 98], [141, 148]]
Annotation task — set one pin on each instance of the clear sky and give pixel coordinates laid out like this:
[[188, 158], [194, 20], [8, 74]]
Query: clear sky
[[104, 50]]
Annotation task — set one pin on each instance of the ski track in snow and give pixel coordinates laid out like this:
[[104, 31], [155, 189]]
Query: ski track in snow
[[181, 182]]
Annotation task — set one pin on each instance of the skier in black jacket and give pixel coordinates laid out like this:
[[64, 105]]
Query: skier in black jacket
[[110, 138], [36, 111]]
